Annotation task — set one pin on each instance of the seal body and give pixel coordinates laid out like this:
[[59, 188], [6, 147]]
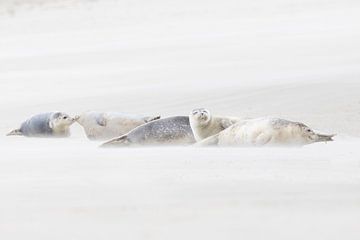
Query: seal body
[[167, 131], [51, 124], [266, 131], [107, 125], [205, 125]]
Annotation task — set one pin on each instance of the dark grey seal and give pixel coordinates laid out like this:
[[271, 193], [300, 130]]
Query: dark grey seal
[[51, 124], [167, 131]]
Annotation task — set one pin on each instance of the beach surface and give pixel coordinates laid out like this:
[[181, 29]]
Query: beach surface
[[298, 61]]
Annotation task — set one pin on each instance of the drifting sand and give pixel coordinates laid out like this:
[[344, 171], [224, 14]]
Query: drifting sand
[[298, 61]]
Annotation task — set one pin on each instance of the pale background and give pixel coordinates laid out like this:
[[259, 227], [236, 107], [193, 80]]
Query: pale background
[[293, 59]]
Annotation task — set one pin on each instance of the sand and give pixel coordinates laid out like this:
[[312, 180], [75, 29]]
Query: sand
[[296, 60]]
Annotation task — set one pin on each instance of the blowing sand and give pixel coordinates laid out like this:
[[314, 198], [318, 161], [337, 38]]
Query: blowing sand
[[298, 61]]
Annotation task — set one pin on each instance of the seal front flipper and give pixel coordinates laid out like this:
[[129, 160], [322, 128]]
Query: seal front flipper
[[122, 140], [208, 142], [101, 120], [16, 132]]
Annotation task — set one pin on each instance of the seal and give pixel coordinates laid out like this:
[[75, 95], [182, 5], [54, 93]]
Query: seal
[[51, 124], [107, 125], [266, 131], [205, 125], [167, 131]]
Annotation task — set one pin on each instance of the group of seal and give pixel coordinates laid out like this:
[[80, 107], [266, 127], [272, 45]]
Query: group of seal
[[200, 127], [97, 125]]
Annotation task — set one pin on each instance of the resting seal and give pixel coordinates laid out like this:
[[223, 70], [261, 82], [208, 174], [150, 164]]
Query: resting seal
[[107, 125], [167, 131], [205, 125], [266, 131], [51, 124]]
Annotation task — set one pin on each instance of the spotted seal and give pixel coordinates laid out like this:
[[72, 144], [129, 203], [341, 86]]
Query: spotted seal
[[167, 131]]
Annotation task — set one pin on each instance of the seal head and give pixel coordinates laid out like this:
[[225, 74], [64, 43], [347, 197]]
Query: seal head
[[200, 117], [204, 124], [60, 123], [309, 136]]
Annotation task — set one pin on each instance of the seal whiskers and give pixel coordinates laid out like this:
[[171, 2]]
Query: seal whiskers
[[325, 138]]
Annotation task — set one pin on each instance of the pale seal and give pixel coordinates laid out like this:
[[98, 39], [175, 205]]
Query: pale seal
[[266, 131], [51, 124], [205, 125], [167, 131], [107, 125]]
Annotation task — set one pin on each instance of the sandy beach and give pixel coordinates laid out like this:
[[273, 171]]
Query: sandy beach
[[298, 61]]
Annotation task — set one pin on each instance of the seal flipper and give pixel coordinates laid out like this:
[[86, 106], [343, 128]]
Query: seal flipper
[[16, 132], [101, 120], [150, 119], [122, 140], [210, 141]]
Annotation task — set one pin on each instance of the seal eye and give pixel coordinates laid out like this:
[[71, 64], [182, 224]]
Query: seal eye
[[308, 130], [65, 117]]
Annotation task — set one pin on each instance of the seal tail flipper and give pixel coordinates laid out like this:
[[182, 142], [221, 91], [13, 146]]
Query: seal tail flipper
[[115, 142], [325, 138], [210, 141], [16, 132], [150, 119]]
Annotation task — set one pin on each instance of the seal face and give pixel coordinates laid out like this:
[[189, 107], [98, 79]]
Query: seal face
[[51, 124], [107, 125], [205, 125], [266, 131], [167, 131]]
